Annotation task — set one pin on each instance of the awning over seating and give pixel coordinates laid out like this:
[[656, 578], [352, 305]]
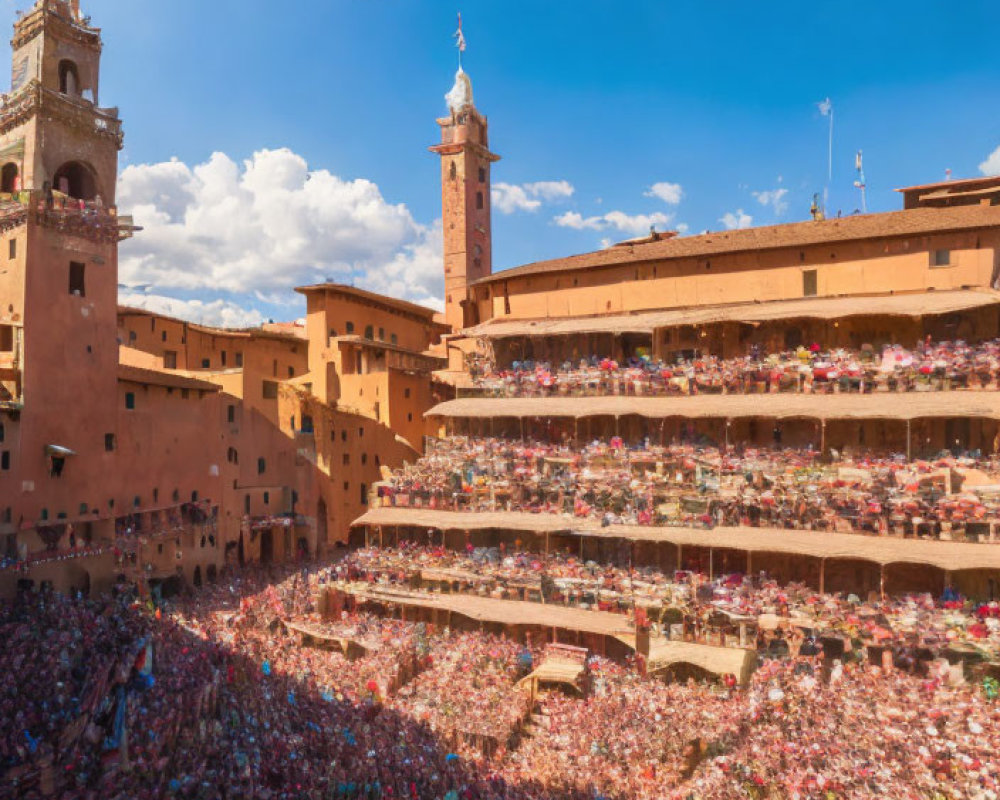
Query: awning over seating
[[717, 660], [913, 405], [951, 556], [917, 304]]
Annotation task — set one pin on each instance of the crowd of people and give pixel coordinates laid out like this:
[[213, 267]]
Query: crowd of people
[[217, 694], [930, 366], [704, 485]]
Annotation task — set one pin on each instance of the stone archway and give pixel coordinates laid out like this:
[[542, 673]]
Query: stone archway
[[76, 179]]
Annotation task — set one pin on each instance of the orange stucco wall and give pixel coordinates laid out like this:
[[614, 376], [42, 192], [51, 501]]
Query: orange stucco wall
[[868, 267]]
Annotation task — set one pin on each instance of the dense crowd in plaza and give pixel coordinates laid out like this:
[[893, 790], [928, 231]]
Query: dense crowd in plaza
[[704, 485], [226, 702], [930, 366]]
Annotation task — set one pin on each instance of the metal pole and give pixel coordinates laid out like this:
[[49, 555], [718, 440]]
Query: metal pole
[[909, 442]]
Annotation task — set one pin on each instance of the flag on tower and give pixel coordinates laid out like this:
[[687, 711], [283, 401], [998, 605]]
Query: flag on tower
[[459, 36], [825, 107]]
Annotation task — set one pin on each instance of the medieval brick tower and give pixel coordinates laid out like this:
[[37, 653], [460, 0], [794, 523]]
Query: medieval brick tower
[[59, 235], [465, 198]]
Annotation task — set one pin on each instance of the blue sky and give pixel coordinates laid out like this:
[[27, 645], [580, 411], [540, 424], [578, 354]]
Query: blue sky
[[609, 98]]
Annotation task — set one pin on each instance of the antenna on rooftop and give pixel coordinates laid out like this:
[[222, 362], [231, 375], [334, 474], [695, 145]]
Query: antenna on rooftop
[[826, 109], [859, 183]]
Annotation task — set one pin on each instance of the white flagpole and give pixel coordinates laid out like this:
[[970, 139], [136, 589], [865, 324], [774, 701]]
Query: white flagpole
[[829, 169]]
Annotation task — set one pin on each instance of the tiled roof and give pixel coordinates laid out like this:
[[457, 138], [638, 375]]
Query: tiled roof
[[154, 377], [373, 297], [913, 222]]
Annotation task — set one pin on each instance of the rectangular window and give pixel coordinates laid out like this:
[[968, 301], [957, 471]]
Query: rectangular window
[[291, 372], [163, 336], [808, 283], [130, 400], [940, 258], [231, 413], [364, 494], [5, 460], [261, 466], [267, 498], [6, 338], [206, 363], [274, 369], [349, 327], [222, 355], [239, 359], [170, 359], [346, 459], [76, 281], [270, 390], [381, 334], [109, 442], [12, 248]]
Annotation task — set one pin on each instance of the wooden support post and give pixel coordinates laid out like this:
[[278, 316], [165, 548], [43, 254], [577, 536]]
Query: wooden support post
[[546, 542], [680, 556], [822, 437], [822, 576], [881, 581], [909, 441], [749, 562], [380, 540], [581, 547], [711, 563]]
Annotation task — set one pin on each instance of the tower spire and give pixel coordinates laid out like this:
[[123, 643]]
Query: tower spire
[[459, 37]]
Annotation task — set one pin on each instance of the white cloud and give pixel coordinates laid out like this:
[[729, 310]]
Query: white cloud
[[775, 198], [738, 219], [217, 313], [991, 166], [669, 193], [508, 197], [267, 225], [618, 220], [414, 272]]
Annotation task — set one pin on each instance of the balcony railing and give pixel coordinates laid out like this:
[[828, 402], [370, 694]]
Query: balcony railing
[[90, 219], [33, 99]]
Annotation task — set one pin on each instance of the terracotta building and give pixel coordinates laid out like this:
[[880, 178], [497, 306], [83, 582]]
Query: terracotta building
[[134, 444]]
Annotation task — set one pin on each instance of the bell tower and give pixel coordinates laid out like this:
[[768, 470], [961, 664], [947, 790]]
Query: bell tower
[[59, 235], [466, 161]]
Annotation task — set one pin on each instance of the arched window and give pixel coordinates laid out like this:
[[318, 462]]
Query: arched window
[[369, 332], [9, 178], [69, 78], [76, 179], [453, 172]]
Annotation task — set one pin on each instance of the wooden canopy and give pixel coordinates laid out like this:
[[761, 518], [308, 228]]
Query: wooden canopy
[[949, 556], [731, 406]]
